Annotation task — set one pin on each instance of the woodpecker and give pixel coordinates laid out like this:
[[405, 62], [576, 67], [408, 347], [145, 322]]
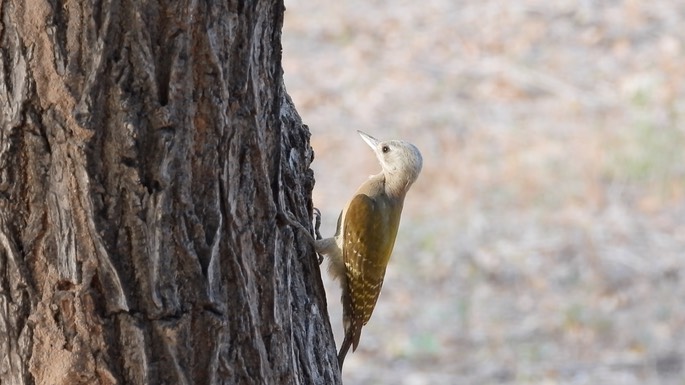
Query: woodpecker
[[365, 235]]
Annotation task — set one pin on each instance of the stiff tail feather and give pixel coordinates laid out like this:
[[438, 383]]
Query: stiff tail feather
[[347, 342], [352, 335]]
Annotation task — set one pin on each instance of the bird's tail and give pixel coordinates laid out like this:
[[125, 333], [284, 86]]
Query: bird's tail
[[347, 342], [352, 335]]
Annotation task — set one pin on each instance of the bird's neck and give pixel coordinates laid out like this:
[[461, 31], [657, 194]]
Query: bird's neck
[[396, 186]]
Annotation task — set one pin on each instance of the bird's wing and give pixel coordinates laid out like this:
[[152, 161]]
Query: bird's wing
[[337, 226], [368, 242]]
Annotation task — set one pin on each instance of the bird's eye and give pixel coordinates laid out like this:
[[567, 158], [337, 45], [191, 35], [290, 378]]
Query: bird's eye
[[385, 149]]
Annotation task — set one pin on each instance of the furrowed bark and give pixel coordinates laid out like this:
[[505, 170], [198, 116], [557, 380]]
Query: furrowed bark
[[147, 153]]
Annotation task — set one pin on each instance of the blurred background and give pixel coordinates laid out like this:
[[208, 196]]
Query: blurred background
[[544, 241]]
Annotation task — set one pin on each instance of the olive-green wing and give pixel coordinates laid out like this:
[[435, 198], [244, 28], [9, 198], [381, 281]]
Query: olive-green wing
[[368, 242], [337, 226]]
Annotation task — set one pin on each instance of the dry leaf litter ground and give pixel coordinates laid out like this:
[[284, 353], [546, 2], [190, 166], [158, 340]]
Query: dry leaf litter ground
[[544, 242]]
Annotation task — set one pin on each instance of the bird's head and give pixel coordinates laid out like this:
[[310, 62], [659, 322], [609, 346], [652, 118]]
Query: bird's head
[[401, 161]]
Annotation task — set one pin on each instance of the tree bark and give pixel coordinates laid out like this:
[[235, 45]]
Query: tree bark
[[148, 153]]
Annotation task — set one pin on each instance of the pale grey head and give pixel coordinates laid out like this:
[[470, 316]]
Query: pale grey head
[[401, 161]]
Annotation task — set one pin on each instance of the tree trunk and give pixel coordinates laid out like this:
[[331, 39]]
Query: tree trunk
[[148, 152]]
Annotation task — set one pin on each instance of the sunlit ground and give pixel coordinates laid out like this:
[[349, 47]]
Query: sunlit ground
[[544, 241]]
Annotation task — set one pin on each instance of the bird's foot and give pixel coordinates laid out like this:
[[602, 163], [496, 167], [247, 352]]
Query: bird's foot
[[317, 234]]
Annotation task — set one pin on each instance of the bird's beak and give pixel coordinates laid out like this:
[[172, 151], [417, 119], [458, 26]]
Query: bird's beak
[[370, 140]]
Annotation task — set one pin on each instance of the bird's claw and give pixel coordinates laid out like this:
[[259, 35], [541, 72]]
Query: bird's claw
[[317, 234], [317, 223]]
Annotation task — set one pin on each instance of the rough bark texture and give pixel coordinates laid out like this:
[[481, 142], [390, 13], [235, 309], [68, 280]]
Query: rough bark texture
[[147, 153]]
